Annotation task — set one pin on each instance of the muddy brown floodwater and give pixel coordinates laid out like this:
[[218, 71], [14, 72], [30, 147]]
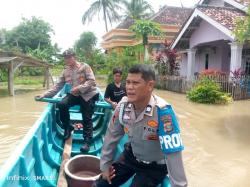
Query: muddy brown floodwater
[[216, 138]]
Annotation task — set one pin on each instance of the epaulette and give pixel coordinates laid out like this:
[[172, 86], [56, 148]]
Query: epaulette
[[124, 99], [161, 103], [82, 66]]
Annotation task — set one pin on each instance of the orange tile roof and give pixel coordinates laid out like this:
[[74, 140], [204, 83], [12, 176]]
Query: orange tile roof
[[167, 15], [224, 16]]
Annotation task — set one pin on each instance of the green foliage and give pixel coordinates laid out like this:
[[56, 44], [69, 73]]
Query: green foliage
[[30, 71], [33, 34], [47, 54], [209, 92], [2, 36], [242, 30], [86, 44], [27, 80], [125, 60], [138, 9], [57, 69], [166, 60], [31, 37], [3, 75], [145, 28], [96, 60]]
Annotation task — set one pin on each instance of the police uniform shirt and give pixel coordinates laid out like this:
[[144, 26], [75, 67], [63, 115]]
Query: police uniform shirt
[[142, 131], [80, 76]]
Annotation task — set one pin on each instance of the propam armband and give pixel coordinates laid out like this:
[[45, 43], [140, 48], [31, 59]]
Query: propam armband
[[169, 131]]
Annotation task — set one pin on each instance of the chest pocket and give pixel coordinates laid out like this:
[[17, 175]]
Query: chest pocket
[[150, 130], [81, 77]]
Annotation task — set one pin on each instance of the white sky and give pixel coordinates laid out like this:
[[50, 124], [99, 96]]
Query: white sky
[[64, 16]]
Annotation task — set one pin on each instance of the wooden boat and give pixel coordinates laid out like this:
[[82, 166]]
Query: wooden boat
[[39, 159]]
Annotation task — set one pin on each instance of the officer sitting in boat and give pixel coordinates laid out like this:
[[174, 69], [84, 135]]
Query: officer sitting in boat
[[154, 147], [84, 93]]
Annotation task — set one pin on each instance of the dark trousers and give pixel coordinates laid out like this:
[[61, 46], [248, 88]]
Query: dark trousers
[[146, 175], [87, 110]]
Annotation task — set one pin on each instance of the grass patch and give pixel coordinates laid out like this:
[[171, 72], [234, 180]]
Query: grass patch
[[28, 80]]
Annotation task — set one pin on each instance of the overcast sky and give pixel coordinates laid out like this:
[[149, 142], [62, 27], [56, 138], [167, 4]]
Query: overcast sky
[[64, 16]]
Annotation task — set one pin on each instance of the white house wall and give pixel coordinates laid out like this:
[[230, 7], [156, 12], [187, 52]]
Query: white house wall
[[206, 33], [225, 58], [183, 65], [219, 58]]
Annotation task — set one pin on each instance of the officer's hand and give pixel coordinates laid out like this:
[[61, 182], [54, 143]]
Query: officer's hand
[[109, 174], [39, 97], [75, 90], [114, 105]]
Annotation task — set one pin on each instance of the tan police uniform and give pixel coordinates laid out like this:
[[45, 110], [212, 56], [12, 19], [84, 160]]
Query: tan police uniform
[[81, 76], [142, 131]]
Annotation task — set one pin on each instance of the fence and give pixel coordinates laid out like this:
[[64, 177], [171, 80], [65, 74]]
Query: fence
[[174, 83], [239, 87]]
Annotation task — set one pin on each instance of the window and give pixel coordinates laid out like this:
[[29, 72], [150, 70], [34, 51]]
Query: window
[[247, 69], [206, 61]]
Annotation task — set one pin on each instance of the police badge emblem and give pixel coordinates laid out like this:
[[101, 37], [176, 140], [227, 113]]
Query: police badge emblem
[[167, 123]]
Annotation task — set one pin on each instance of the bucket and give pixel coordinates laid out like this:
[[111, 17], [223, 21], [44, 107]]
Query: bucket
[[82, 170]]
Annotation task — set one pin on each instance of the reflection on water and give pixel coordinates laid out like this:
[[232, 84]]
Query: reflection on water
[[216, 137]]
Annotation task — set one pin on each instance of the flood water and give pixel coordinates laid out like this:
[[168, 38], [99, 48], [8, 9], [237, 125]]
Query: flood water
[[17, 115], [216, 138]]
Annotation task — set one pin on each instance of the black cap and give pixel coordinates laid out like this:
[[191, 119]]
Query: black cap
[[68, 53]]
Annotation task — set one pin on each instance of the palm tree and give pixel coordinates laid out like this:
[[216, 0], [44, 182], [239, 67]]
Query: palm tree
[[137, 9], [107, 7]]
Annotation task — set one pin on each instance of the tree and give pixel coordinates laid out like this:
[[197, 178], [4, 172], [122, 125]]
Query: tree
[[242, 30], [47, 54], [138, 9], [2, 36], [86, 43], [143, 29], [166, 60], [33, 34], [107, 7]]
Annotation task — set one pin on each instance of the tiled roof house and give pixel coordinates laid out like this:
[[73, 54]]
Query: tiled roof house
[[170, 19], [206, 39]]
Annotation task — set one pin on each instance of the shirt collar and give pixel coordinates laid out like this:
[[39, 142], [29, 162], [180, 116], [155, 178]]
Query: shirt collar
[[149, 108], [147, 111]]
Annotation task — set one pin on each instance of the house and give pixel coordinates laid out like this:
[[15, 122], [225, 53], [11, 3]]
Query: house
[[170, 19], [206, 39]]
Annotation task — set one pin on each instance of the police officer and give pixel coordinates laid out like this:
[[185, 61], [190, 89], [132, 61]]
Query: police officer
[[81, 77], [154, 147]]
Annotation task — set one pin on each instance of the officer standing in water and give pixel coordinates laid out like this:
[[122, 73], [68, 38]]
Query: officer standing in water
[[154, 147]]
